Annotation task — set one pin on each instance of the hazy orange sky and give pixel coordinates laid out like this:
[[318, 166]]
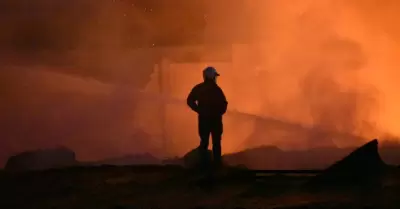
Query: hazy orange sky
[[325, 63]]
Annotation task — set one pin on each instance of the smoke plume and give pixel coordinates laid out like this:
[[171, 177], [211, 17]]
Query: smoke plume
[[73, 73]]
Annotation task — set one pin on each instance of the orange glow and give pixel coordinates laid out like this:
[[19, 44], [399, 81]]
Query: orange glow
[[332, 41], [326, 65]]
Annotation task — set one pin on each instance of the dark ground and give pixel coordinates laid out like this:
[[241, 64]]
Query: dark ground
[[112, 187]]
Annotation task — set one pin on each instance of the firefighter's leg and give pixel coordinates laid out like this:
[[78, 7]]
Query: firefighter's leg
[[216, 140], [204, 133]]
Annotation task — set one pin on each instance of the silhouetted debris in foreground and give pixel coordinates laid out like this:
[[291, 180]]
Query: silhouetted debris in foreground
[[328, 205], [41, 160], [154, 186], [135, 159], [192, 159], [363, 167], [124, 207], [173, 161]]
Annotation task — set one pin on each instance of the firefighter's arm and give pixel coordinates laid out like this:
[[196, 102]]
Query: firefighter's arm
[[224, 102], [191, 100]]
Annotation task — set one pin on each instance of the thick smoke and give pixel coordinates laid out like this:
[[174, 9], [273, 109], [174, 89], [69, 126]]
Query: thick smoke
[[80, 65], [334, 100], [326, 66], [72, 71]]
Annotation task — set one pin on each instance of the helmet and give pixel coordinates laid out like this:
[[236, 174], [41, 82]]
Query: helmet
[[210, 73]]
